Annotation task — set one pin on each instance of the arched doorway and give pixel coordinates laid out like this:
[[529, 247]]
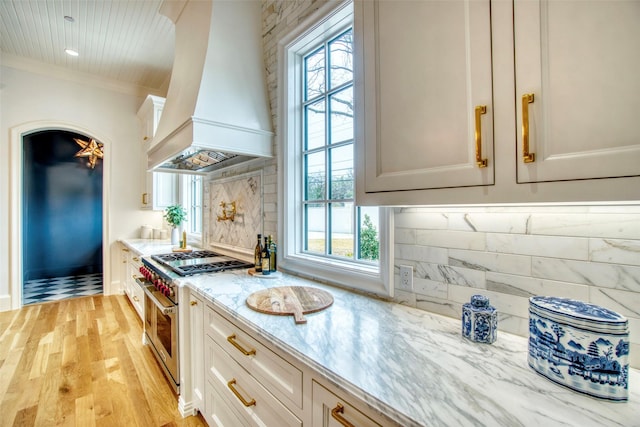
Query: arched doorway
[[62, 220]]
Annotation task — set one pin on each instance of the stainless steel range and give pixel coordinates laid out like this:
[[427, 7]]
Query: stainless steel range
[[161, 299]]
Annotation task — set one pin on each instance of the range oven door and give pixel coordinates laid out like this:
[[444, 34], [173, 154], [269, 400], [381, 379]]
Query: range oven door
[[161, 328]]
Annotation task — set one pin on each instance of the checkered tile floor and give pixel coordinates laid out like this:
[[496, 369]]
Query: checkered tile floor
[[58, 288]]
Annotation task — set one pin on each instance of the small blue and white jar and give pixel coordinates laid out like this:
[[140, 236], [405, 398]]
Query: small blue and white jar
[[479, 320]]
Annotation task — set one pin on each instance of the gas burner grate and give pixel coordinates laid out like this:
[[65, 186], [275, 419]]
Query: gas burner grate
[[197, 262], [180, 256], [216, 267]]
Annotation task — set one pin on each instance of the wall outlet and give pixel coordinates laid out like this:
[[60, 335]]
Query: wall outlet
[[406, 277]]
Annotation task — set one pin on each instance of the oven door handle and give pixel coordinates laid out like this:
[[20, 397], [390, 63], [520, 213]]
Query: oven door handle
[[164, 310], [140, 282]]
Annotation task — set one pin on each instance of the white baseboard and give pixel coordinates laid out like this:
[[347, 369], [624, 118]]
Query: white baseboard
[[186, 409], [5, 302]]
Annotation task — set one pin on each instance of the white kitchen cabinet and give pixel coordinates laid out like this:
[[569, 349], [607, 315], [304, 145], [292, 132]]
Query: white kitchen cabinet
[[159, 189], [196, 330], [427, 101], [331, 410], [251, 400], [423, 63], [132, 289], [124, 268], [281, 378], [259, 385], [580, 61], [246, 380]]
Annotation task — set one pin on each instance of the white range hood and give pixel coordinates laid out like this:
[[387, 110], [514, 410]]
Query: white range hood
[[216, 113]]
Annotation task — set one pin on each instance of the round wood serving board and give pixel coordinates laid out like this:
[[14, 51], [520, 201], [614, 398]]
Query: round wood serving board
[[286, 300]]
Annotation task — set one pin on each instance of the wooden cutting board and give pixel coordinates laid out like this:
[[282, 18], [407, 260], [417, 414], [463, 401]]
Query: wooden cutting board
[[286, 300]]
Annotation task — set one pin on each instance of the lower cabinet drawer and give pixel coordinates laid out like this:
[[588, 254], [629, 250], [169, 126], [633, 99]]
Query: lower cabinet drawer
[[329, 410], [218, 412], [137, 299], [245, 395], [281, 378]]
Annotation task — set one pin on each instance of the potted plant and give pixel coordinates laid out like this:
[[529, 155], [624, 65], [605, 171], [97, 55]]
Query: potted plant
[[175, 215]]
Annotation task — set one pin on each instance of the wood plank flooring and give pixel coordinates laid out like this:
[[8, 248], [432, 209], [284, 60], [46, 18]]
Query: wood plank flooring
[[81, 362]]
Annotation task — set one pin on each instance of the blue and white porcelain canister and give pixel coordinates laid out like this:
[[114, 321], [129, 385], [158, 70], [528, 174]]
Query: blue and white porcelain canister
[[479, 320]]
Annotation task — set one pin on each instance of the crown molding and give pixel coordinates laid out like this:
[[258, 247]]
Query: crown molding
[[62, 73]]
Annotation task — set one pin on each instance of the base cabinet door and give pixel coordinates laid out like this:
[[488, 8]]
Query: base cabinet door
[[577, 89], [330, 410]]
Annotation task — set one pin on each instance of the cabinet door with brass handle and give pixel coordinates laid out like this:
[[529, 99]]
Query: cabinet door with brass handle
[[421, 127], [329, 409], [578, 120]]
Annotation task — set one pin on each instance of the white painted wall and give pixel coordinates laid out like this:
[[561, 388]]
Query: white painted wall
[[28, 97]]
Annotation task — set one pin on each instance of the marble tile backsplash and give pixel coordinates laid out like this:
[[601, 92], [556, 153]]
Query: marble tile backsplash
[[590, 253]]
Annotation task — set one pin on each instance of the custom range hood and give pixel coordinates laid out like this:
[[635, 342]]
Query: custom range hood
[[216, 113]]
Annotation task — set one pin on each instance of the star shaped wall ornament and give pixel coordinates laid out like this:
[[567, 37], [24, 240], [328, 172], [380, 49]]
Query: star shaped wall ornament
[[91, 149]]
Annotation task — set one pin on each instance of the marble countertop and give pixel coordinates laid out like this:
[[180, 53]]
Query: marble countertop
[[412, 365], [148, 246]]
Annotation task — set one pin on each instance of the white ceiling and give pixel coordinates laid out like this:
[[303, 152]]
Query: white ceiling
[[125, 41]]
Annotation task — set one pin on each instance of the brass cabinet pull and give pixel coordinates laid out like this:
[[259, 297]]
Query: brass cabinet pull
[[527, 99], [125, 249], [136, 299], [145, 200], [232, 340], [480, 110], [337, 412], [245, 402], [136, 259], [194, 303]]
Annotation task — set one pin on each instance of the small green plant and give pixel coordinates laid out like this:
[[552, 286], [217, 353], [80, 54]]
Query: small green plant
[[175, 215], [369, 245]]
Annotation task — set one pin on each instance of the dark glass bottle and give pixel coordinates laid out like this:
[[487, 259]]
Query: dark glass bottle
[[272, 253], [257, 255], [266, 258]]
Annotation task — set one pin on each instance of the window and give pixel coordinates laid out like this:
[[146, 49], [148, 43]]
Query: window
[[190, 196], [320, 221]]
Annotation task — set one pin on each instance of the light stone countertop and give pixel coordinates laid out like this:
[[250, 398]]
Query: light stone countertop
[[412, 365], [149, 246]]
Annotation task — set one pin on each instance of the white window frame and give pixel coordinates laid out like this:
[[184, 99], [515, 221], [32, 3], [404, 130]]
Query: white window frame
[[328, 21], [184, 199]]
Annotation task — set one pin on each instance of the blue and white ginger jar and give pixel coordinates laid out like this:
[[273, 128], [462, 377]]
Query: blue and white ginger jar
[[479, 320]]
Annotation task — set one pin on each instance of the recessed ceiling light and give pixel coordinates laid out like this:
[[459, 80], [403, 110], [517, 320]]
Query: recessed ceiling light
[[69, 18], [71, 52]]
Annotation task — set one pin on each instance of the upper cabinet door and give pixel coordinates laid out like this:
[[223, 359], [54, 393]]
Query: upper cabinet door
[[425, 94], [580, 61]]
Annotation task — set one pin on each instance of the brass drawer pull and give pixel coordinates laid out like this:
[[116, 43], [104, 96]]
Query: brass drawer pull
[[527, 99], [246, 403], [194, 303], [145, 199], [232, 340], [480, 110], [337, 412]]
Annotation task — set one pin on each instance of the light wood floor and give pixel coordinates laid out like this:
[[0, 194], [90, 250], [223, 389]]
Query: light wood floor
[[81, 362]]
